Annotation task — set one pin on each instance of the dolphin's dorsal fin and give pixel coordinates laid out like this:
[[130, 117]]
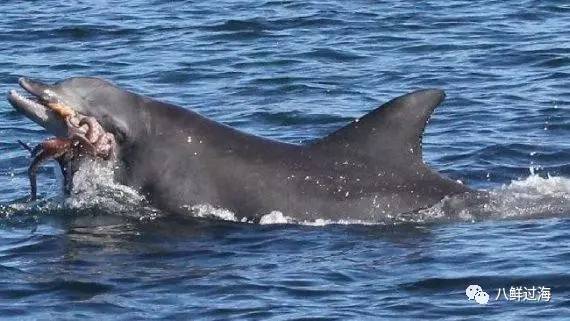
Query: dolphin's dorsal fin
[[391, 133]]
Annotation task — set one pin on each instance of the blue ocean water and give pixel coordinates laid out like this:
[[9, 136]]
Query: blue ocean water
[[294, 71]]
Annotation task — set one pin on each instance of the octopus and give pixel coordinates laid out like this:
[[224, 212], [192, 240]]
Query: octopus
[[86, 137]]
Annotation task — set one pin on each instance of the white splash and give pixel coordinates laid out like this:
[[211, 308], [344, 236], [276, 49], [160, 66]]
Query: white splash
[[94, 186], [541, 186], [207, 210], [323, 222], [534, 196], [275, 217]]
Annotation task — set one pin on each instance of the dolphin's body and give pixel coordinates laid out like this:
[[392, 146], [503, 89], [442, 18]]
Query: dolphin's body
[[370, 169]]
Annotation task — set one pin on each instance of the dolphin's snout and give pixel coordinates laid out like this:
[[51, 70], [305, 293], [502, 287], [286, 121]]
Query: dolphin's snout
[[35, 107], [34, 87]]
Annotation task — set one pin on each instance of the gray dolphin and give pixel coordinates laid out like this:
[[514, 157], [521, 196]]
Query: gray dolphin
[[368, 170]]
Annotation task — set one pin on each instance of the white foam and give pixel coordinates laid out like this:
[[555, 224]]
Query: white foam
[[535, 184], [323, 222], [534, 196], [207, 210], [94, 186], [275, 217]]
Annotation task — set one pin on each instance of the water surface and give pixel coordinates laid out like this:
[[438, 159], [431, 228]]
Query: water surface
[[295, 71]]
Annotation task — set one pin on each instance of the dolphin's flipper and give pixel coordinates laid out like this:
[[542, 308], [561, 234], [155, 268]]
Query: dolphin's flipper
[[392, 133]]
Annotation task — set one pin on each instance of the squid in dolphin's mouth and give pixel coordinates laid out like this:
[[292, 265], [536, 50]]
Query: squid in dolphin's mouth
[[76, 135]]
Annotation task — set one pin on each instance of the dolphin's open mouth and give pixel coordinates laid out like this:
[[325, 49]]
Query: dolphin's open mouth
[[37, 103]]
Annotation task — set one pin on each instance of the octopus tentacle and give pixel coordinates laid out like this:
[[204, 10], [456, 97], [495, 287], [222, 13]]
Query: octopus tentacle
[[79, 134], [84, 134], [94, 130], [51, 148]]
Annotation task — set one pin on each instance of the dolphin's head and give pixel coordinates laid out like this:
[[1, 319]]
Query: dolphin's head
[[88, 96], [49, 105]]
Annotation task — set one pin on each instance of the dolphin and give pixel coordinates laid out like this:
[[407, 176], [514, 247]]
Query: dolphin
[[371, 169]]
